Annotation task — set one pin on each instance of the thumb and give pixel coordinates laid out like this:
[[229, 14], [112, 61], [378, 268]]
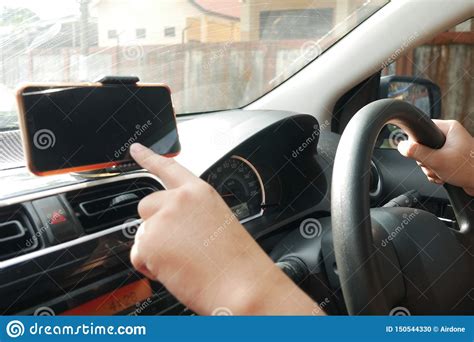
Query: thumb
[[413, 150]]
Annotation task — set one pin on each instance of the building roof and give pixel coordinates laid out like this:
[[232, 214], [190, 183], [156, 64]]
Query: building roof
[[224, 8]]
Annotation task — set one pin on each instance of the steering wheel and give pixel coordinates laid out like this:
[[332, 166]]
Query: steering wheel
[[397, 260]]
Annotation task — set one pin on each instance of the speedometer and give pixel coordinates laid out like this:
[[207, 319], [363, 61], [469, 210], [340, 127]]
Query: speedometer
[[240, 185]]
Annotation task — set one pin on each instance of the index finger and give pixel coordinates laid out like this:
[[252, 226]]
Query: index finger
[[168, 170]]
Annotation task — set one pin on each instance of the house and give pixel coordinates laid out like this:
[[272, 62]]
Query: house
[[295, 19], [210, 21], [151, 22]]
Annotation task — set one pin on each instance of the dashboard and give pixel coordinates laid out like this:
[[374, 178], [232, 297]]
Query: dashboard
[[240, 185], [66, 239]]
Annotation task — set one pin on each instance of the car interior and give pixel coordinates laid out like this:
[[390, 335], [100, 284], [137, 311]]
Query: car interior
[[304, 155]]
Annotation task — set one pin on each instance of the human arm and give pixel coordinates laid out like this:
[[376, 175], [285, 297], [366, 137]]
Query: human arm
[[230, 271], [453, 163]]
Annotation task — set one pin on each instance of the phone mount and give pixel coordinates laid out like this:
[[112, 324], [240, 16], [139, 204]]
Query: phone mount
[[118, 80], [108, 172], [118, 169]]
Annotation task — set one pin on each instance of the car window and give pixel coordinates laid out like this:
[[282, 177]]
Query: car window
[[446, 60], [214, 54]]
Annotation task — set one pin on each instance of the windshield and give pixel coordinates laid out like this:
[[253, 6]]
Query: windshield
[[214, 54]]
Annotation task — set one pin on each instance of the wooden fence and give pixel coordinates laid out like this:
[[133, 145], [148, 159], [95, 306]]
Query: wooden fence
[[448, 61], [228, 75]]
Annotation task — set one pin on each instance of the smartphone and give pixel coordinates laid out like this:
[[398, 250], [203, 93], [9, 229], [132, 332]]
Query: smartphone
[[90, 126]]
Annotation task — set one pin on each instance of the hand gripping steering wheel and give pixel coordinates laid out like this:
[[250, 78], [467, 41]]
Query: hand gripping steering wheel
[[423, 266]]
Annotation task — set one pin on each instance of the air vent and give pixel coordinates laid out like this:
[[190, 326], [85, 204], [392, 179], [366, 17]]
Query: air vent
[[16, 232], [375, 181], [107, 205]]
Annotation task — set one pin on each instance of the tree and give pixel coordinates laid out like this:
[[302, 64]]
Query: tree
[[15, 16]]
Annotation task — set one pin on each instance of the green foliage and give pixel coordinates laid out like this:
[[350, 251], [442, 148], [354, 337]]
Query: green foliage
[[17, 16]]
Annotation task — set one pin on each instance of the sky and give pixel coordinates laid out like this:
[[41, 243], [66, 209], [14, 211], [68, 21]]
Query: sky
[[45, 9]]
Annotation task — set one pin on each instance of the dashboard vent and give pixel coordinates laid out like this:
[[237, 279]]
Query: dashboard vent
[[107, 205], [16, 232], [375, 188]]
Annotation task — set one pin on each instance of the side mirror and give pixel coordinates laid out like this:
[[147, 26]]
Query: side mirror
[[419, 92]]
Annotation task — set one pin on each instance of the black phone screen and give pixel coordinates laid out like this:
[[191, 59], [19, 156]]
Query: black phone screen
[[73, 127]]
